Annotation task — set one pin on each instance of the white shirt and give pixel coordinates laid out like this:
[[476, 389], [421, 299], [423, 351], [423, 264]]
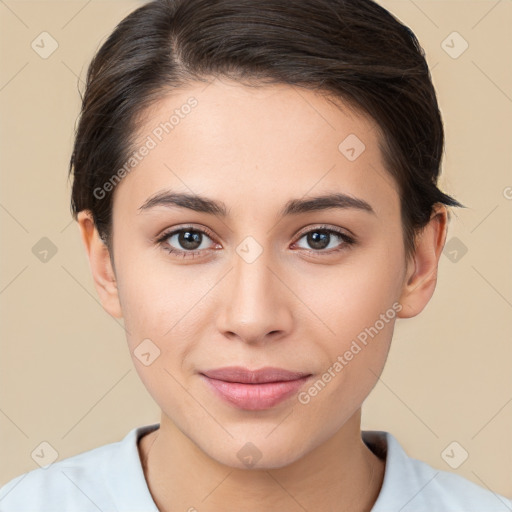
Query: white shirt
[[110, 478]]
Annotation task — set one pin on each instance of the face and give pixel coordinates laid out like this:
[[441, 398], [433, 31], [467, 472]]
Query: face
[[268, 276]]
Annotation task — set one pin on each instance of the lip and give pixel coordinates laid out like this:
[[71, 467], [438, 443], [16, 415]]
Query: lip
[[254, 390]]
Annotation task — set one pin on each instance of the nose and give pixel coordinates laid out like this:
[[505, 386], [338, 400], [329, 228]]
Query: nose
[[257, 304]]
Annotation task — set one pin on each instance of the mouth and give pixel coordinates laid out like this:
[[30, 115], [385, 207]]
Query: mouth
[[254, 389]]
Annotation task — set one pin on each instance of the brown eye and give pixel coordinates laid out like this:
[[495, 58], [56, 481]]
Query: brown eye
[[326, 240], [189, 239], [186, 242]]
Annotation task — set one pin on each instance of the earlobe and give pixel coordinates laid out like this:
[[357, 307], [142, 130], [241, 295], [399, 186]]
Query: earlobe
[[421, 277], [100, 264]]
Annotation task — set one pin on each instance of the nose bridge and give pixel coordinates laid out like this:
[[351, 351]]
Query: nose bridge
[[252, 280], [255, 304]]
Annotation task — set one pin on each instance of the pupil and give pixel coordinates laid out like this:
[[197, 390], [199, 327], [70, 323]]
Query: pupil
[[190, 239], [318, 239]]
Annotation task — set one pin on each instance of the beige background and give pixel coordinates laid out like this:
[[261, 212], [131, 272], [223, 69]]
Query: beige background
[[65, 373]]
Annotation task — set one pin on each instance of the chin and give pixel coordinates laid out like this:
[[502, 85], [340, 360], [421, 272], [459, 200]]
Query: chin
[[255, 452]]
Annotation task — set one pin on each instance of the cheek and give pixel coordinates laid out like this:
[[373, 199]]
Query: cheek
[[160, 318], [354, 354], [351, 297], [358, 303], [159, 300], [165, 310]]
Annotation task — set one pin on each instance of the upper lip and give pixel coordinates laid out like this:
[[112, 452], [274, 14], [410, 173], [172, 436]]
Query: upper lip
[[246, 376]]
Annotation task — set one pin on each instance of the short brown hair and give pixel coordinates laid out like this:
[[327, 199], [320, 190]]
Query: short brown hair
[[352, 49]]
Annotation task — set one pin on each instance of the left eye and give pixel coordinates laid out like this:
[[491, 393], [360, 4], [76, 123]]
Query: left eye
[[321, 239]]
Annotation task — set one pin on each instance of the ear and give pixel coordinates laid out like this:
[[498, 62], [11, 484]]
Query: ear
[[421, 276], [100, 264]]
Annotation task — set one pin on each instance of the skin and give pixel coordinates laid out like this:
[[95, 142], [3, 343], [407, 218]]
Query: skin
[[296, 306]]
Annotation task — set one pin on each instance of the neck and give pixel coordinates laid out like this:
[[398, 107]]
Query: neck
[[339, 474]]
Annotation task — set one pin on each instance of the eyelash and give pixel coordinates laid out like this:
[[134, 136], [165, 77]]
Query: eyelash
[[347, 241]]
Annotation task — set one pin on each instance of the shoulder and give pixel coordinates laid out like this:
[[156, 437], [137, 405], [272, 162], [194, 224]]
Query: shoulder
[[89, 481], [71, 480], [74, 483], [413, 485]]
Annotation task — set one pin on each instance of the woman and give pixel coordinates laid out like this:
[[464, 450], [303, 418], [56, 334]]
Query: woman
[[255, 187]]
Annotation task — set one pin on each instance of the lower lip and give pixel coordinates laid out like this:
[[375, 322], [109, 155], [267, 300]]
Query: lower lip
[[255, 397]]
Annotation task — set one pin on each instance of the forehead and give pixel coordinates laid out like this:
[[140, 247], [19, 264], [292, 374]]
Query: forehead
[[264, 144]]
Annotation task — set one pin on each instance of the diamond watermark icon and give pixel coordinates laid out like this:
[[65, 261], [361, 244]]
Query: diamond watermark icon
[[44, 250], [146, 352], [351, 147], [454, 455], [249, 454], [249, 249], [455, 249], [44, 45], [44, 454], [454, 45]]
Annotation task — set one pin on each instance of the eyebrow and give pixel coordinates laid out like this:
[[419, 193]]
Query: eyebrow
[[293, 207]]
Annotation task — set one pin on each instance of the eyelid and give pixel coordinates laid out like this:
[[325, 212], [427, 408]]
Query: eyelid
[[176, 229], [325, 227]]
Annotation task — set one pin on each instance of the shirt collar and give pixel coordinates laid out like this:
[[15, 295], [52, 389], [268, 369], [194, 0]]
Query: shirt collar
[[138, 496], [125, 476]]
